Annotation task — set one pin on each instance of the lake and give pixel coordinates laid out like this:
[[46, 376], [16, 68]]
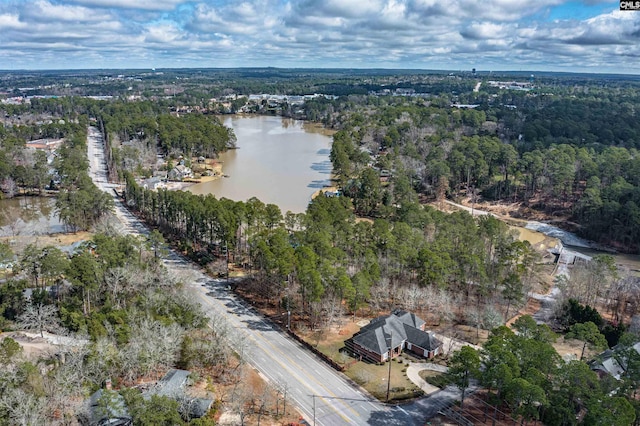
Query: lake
[[29, 216], [279, 161]]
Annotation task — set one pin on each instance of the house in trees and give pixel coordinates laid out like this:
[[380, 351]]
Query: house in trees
[[388, 336], [331, 193], [106, 407], [179, 172], [173, 385], [615, 362], [153, 183]]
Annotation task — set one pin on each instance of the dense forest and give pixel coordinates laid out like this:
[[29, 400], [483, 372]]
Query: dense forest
[[325, 256], [524, 376], [573, 157]]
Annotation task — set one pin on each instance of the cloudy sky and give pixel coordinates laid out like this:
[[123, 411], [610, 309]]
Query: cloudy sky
[[557, 35]]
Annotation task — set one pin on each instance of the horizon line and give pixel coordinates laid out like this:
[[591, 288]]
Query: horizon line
[[440, 70]]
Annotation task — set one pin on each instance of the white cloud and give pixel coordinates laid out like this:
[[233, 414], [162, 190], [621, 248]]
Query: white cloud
[[163, 33], [10, 21], [132, 4], [394, 33], [43, 10], [486, 30]]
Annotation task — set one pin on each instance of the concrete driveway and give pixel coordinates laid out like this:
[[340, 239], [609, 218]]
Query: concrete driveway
[[413, 373]]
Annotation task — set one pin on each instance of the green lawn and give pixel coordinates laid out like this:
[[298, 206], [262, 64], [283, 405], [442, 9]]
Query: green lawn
[[435, 378], [372, 377]]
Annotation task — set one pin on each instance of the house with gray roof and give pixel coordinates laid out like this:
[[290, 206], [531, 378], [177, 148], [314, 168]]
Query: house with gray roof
[[107, 407], [386, 337], [154, 183], [173, 385], [180, 172], [615, 362]]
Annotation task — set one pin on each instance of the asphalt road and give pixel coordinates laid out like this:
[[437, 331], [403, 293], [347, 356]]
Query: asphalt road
[[322, 395]]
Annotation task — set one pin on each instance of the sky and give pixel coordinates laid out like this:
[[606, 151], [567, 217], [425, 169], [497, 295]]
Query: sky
[[489, 35]]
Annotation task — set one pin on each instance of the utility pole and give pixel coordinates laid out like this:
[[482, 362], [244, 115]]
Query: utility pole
[[314, 409], [284, 400], [288, 308], [226, 255], [389, 374]]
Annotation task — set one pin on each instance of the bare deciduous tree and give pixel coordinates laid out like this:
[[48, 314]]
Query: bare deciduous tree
[[104, 359], [116, 280], [411, 296], [151, 346], [40, 317], [109, 225], [263, 400], [491, 317], [474, 318], [241, 398], [23, 408], [64, 386], [9, 187], [379, 297], [332, 310]]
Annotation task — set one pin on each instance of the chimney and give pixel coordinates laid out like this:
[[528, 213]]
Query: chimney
[[107, 384]]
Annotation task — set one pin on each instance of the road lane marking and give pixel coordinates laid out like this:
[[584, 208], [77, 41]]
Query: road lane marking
[[257, 336], [340, 400]]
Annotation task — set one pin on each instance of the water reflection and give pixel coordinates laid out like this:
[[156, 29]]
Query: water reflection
[[278, 161], [29, 216]]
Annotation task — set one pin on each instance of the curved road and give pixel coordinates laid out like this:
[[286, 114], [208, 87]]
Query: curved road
[[322, 395]]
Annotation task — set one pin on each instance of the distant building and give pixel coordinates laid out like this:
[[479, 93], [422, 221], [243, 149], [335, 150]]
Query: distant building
[[179, 172], [511, 85], [465, 106], [154, 183], [45, 144], [107, 407], [613, 362]]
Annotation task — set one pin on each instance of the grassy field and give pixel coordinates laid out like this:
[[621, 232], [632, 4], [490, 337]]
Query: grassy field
[[373, 378]]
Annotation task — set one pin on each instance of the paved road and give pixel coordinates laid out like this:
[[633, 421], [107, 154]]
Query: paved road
[[319, 392]]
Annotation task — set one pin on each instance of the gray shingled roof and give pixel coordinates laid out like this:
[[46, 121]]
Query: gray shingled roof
[[409, 318], [422, 338], [172, 384], [375, 335], [114, 413], [400, 326]]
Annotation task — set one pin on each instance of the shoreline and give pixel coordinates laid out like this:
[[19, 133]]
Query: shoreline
[[330, 188], [209, 165], [181, 186]]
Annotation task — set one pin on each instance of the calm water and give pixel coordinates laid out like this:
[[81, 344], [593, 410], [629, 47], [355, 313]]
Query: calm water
[[29, 216], [280, 161]]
